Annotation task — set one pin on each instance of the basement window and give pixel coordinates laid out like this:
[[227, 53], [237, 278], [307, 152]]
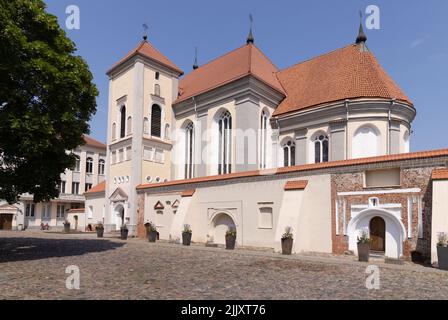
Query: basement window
[[382, 178]]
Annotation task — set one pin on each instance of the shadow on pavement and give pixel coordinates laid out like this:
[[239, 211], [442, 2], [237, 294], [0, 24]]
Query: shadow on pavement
[[20, 249]]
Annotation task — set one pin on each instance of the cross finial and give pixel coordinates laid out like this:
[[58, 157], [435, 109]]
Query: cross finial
[[361, 38], [250, 37], [145, 31]]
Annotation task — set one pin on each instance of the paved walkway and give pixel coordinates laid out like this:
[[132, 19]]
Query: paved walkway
[[33, 265]]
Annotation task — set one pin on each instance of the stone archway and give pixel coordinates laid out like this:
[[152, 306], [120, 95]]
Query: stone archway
[[394, 234], [220, 223], [119, 216]]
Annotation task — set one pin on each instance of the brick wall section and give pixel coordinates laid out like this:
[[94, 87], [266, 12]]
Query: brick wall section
[[410, 178]]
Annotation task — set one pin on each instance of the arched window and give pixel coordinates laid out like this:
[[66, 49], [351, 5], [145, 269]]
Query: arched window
[[156, 121], [225, 143], [89, 165], [167, 131], [123, 122], [129, 125], [321, 149], [101, 166], [189, 151], [157, 90], [263, 139], [406, 142], [365, 142], [157, 75], [114, 131], [289, 153], [145, 125]]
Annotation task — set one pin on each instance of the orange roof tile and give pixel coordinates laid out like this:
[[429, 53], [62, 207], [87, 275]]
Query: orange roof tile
[[305, 167], [94, 143], [188, 193], [440, 174], [345, 73], [234, 65], [296, 185], [101, 187], [146, 49]]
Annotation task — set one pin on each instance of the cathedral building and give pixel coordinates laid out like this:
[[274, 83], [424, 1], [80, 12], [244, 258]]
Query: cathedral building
[[321, 146]]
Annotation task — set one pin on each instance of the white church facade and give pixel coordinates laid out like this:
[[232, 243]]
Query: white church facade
[[321, 146]]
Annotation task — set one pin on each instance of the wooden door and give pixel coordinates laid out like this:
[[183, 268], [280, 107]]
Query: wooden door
[[6, 221], [377, 234]]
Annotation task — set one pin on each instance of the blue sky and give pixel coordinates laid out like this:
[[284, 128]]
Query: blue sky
[[411, 44]]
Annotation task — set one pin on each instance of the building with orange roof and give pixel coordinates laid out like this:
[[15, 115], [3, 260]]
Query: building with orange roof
[[321, 146]]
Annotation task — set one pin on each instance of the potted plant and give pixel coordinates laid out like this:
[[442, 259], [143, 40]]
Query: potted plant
[[186, 235], [67, 226], [287, 241], [124, 232], [152, 232], [442, 250], [230, 238], [364, 246], [99, 230]]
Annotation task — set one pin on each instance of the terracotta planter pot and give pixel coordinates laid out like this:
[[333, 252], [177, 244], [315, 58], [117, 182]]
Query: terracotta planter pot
[[124, 233], [230, 242], [99, 233], [442, 257], [287, 246], [363, 252], [67, 228], [186, 238], [152, 236]]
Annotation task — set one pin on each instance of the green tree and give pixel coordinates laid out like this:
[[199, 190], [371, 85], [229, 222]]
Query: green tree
[[46, 100]]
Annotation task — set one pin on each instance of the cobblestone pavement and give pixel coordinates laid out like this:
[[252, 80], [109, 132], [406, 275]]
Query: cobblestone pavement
[[33, 264]]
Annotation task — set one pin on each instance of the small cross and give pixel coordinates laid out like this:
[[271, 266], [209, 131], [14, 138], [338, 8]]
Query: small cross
[[145, 31]]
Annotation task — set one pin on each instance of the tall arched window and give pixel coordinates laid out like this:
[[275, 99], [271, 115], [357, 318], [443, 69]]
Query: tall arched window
[[365, 142], [101, 166], [406, 148], [129, 125], [145, 125], [289, 153], [123, 122], [189, 151], [225, 143], [167, 132], [263, 139], [114, 131], [89, 165], [156, 121], [321, 149]]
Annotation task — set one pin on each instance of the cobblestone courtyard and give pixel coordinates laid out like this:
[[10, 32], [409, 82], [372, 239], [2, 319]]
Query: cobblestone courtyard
[[33, 264]]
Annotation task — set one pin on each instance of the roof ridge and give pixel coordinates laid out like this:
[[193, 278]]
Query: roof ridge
[[267, 58], [315, 57]]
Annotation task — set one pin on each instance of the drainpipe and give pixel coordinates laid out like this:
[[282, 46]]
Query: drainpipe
[[346, 128]]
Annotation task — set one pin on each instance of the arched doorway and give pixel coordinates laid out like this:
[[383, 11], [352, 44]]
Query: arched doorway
[[377, 228], [119, 216], [220, 224]]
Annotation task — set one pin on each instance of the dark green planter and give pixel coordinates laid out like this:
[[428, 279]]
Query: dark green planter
[[67, 228], [99, 233], [287, 246], [230, 242], [442, 257], [124, 233], [186, 238], [152, 236], [363, 252]]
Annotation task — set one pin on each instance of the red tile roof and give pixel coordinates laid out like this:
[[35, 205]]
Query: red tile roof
[[296, 185], [440, 174], [234, 65], [188, 193], [146, 49], [94, 143], [306, 167], [101, 187], [345, 73]]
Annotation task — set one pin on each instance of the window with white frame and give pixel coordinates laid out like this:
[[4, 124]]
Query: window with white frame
[[77, 165], [89, 165], [156, 121], [60, 211], [157, 89], [366, 141], [120, 155], [75, 187], [321, 149], [289, 153], [122, 121], [61, 187], [406, 147], [114, 131], [128, 153], [101, 166], [159, 156], [225, 143], [145, 125], [114, 157], [129, 126], [265, 218], [90, 212], [88, 186], [148, 153], [46, 211], [189, 151], [263, 139], [29, 210]]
